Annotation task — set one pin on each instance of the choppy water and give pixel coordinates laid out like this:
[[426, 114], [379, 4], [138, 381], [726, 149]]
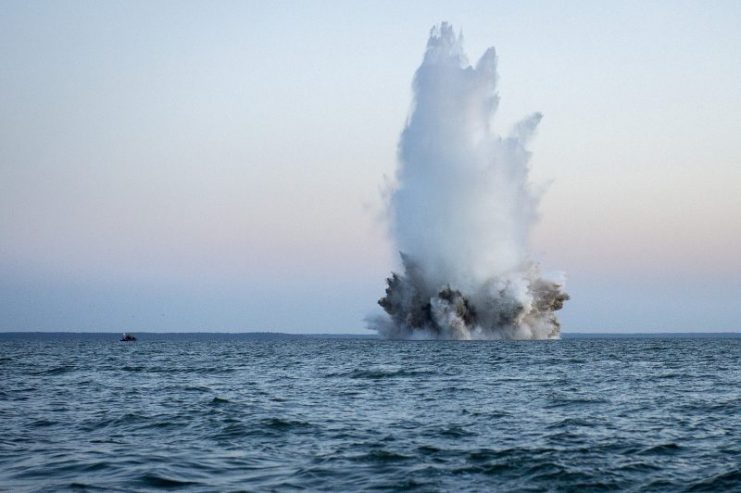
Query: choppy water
[[234, 414]]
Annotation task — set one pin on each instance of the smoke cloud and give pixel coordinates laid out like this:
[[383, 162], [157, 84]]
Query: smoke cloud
[[461, 212]]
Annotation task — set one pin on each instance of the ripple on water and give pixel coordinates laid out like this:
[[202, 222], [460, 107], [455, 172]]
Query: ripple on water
[[162, 481]]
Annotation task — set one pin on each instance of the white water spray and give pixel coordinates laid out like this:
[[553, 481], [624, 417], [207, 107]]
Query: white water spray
[[462, 211]]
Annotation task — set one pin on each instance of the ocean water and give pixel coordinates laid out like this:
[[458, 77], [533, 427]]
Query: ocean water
[[257, 413]]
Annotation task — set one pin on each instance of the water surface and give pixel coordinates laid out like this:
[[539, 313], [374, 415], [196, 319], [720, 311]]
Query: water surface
[[231, 413]]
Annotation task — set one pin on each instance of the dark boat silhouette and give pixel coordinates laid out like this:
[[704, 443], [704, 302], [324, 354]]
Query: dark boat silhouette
[[127, 337]]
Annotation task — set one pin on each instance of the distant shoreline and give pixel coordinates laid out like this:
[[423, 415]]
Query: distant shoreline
[[285, 335]]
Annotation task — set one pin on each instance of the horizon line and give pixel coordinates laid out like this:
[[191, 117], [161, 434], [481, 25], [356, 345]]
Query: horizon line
[[261, 332]]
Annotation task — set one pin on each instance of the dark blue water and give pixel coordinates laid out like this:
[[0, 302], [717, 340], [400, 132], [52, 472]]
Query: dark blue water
[[214, 413]]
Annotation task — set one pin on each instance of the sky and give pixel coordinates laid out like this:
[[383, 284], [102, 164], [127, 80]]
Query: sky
[[220, 166]]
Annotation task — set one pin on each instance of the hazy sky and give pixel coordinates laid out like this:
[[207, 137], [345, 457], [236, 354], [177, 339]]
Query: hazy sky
[[218, 165]]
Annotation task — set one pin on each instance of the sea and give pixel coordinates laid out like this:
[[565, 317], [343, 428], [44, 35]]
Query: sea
[[270, 412]]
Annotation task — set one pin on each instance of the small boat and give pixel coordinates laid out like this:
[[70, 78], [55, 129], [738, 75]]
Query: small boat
[[127, 337]]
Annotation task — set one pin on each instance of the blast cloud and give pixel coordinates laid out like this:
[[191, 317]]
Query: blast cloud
[[462, 210]]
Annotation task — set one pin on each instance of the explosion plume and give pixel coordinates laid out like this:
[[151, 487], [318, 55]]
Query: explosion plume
[[462, 210]]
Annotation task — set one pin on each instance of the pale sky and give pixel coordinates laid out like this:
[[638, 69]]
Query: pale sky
[[218, 166]]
